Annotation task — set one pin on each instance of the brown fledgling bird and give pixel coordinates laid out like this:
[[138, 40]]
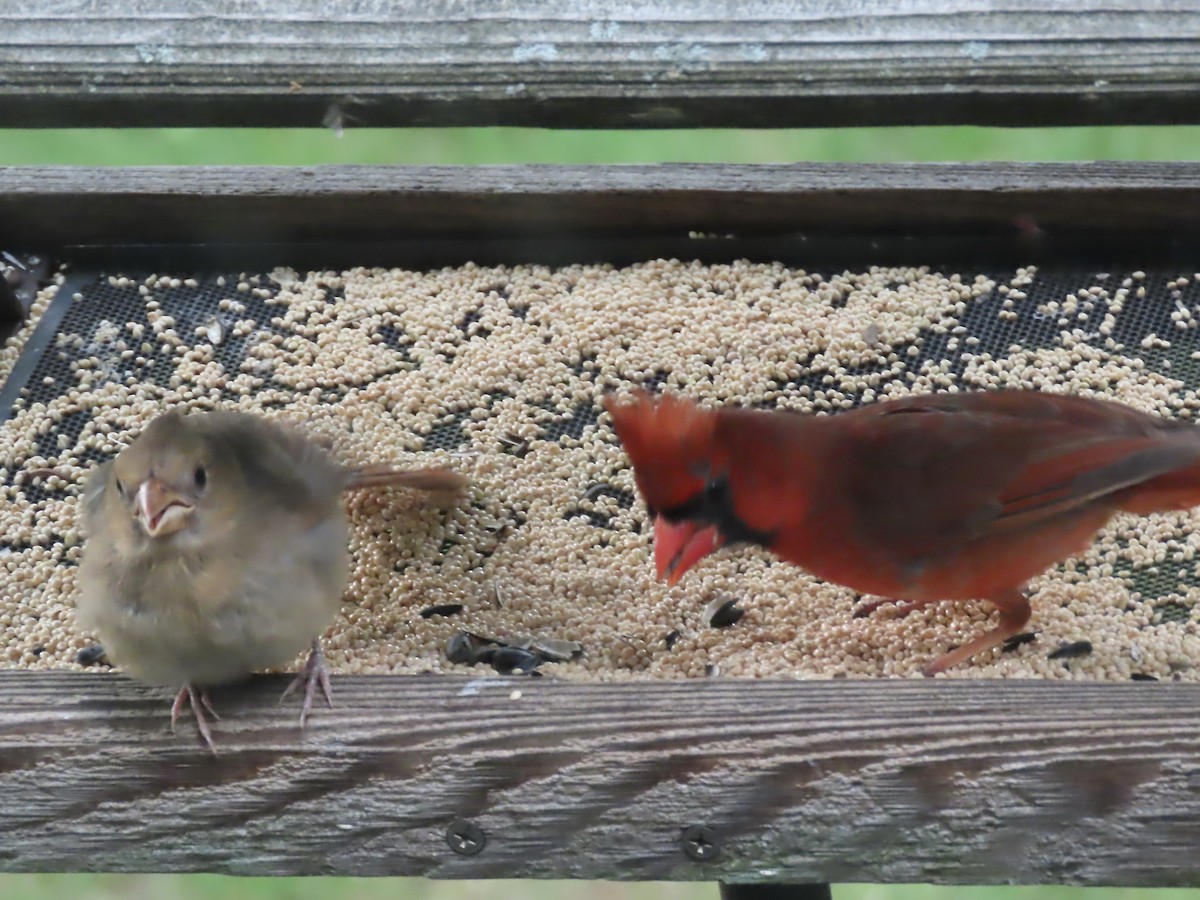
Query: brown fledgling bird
[[940, 497], [217, 546]]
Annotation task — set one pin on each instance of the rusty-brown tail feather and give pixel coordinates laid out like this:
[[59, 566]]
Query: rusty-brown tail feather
[[437, 479]]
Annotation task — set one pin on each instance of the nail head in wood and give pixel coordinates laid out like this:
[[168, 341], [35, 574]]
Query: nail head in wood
[[700, 843], [465, 838]]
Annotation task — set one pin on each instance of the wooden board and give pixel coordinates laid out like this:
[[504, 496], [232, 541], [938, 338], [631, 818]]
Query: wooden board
[[884, 781], [445, 215], [955, 782], [607, 63]]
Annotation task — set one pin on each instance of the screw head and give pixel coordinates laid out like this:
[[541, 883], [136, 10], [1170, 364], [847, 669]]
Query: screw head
[[700, 843], [465, 838]]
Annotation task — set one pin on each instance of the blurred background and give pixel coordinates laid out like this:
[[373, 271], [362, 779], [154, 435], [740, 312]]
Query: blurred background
[[474, 146], [217, 887]]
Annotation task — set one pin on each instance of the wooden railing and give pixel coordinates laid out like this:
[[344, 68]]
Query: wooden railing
[[762, 781]]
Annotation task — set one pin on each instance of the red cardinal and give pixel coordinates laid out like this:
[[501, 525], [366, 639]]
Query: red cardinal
[[940, 497]]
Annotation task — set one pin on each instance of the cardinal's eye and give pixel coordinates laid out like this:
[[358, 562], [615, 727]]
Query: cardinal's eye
[[200, 477], [716, 490]]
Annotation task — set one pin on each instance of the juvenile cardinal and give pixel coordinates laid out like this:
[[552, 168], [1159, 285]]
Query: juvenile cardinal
[[217, 546], [940, 497]]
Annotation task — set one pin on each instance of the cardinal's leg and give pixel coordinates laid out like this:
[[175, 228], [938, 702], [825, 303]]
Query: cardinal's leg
[[313, 675], [201, 705], [904, 607], [1014, 614]]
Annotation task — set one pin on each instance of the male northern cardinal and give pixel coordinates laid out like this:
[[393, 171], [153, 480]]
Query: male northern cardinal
[[216, 546], [940, 497]]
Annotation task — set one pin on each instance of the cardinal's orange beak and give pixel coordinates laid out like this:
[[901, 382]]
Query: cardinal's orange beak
[[160, 511], [680, 545]]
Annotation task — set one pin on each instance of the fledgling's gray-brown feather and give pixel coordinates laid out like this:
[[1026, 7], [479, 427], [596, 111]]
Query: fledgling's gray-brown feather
[[248, 584], [255, 575]]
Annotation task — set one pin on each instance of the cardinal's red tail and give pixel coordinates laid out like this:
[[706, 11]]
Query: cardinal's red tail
[[1173, 491]]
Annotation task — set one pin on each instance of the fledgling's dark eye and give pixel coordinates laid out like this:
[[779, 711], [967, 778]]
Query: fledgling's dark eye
[[121, 488], [200, 477]]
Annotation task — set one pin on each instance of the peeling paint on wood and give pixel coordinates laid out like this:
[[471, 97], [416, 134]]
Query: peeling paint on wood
[[604, 64]]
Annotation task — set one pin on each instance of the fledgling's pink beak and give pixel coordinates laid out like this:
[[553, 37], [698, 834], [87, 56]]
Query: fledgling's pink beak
[[680, 545], [160, 511]]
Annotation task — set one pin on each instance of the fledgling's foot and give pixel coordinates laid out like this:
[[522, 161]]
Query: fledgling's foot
[[313, 674], [201, 708]]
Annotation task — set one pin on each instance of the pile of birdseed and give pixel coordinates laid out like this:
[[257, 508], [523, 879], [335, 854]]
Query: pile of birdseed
[[497, 372]]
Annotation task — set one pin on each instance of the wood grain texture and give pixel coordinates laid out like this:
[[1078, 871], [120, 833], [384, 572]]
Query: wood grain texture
[[885, 781], [51, 207], [604, 63]]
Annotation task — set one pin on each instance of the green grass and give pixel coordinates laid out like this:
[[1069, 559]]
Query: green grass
[[215, 887], [472, 146]]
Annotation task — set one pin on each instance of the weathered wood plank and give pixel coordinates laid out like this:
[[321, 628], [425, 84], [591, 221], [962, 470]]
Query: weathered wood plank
[[605, 63], [47, 208], [959, 782]]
